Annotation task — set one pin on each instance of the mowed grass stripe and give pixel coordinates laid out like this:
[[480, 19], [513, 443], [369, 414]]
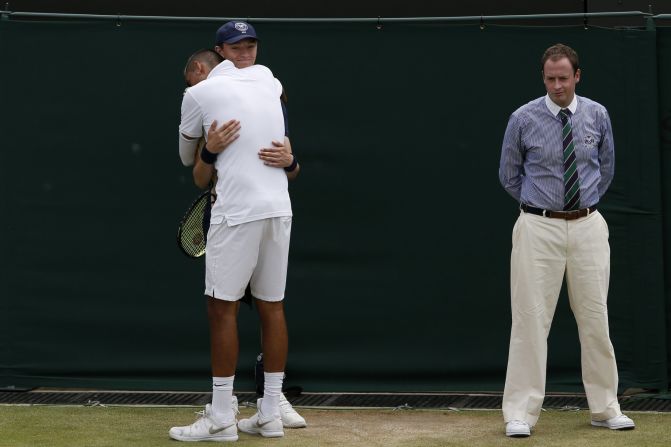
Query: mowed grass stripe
[[59, 426]]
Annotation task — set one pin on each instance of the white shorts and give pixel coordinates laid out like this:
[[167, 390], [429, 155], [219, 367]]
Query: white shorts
[[256, 252]]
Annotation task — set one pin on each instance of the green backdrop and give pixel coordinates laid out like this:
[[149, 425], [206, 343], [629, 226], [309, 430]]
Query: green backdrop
[[398, 275], [664, 67]]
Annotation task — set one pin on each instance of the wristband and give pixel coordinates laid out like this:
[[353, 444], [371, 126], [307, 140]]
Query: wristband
[[292, 166], [207, 156]]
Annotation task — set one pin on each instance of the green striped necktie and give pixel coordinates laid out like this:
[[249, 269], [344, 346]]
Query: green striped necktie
[[571, 181]]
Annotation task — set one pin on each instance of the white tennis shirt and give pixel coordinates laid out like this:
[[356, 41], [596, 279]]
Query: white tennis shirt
[[247, 190]]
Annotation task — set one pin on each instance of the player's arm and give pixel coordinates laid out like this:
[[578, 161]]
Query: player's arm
[[202, 172], [187, 149], [190, 129], [293, 170]]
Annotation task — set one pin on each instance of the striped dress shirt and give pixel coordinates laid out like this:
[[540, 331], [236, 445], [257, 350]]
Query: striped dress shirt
[[532, 164]]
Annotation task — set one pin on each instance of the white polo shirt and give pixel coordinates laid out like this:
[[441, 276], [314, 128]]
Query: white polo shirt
[[247, 190]]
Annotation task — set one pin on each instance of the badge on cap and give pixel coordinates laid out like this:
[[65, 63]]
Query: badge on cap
[[242, 27]]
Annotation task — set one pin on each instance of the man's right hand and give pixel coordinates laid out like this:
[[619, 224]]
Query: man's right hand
[[219, 139]]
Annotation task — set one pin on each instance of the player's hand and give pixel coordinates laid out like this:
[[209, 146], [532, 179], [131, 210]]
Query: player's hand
[[219, 139], [278, 156]]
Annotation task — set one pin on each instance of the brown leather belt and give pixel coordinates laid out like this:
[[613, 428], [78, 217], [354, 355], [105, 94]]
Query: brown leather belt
[[566, 215]]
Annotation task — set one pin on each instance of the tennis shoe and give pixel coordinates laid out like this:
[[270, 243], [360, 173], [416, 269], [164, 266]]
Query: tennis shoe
[[206, 428], [620, 422], [260, 424], [234, 405], [518, 429], [290, 417]]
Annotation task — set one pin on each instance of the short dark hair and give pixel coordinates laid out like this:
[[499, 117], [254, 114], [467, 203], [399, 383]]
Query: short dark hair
[[559, 51], [205, 56]]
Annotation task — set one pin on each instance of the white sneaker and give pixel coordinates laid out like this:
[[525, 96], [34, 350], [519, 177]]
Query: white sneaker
[[290, 417], [620, 422], [206, 429], [259, 424], [518, 429]]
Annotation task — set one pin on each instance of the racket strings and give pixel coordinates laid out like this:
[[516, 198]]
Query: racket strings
[[191, 237]]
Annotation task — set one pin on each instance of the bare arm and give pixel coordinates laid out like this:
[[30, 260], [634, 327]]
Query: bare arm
[[202, 172]]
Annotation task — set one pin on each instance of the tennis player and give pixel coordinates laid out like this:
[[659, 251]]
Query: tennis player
[[248, 237], [238, 42]]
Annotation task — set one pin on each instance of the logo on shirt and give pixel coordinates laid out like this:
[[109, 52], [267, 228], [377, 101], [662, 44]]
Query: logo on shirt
[[242, 27], [589, 140]]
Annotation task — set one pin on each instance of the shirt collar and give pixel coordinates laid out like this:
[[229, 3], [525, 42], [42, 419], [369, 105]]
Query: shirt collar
[[225, 66], [554, 108]]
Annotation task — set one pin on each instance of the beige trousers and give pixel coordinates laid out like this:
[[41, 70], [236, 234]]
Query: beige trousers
[[544, 249]]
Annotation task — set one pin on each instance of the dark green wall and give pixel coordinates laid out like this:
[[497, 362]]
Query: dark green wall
[[664, 57], [398, 277]]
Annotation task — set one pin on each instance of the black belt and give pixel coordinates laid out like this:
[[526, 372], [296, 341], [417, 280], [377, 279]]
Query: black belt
[[566, 215]]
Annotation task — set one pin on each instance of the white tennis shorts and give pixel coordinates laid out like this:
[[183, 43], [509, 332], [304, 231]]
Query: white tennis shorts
[[254, 252]]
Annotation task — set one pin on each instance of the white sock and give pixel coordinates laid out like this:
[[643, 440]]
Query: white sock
[[222, 394], [272, 388]]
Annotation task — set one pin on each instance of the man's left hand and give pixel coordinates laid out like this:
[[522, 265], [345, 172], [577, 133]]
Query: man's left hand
[[278, 156]]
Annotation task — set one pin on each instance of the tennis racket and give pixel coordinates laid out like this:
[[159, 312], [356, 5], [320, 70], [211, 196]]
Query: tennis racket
[[190, 237]]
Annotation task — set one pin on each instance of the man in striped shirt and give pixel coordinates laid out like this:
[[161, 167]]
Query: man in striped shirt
[[557, 161]]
